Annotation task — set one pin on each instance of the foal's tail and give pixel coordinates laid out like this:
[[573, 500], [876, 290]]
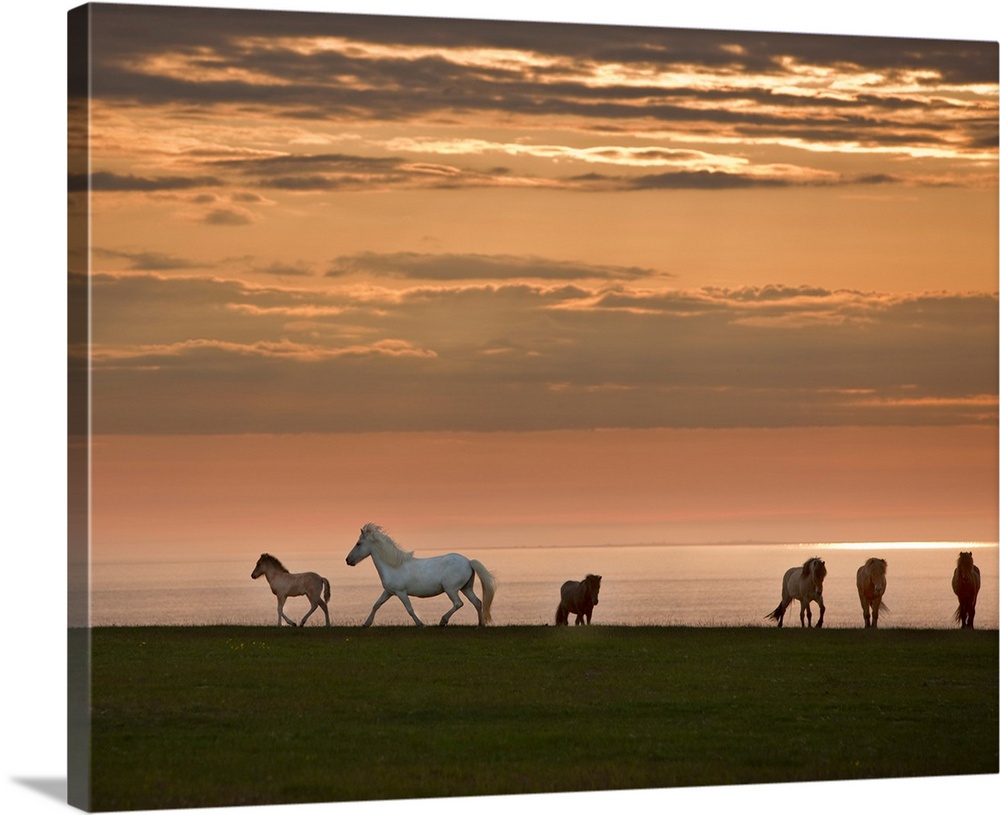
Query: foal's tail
[[489, 587], [326, 588]]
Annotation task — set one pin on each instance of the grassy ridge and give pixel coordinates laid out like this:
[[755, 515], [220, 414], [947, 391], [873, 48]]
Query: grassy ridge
[[236, 715]]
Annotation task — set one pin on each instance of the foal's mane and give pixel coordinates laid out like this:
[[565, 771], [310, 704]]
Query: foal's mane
[[273, 561], [387, 549]]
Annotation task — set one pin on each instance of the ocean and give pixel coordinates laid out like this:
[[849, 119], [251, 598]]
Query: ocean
[[670, 585]]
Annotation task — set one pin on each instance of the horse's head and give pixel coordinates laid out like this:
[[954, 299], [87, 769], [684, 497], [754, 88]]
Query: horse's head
[[593, 584], [267, 562], [877, 572], [965, 561], [816, 569], [362, 549], [258, 570]]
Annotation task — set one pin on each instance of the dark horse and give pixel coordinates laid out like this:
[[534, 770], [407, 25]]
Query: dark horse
[[578, 597], [965, 583]]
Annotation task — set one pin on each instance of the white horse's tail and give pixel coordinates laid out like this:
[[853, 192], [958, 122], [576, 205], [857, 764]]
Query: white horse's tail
[[326, 588], [489, 587]]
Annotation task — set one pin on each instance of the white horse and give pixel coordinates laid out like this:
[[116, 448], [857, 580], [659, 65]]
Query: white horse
[[284, 584], [404, 575], [805, 584]]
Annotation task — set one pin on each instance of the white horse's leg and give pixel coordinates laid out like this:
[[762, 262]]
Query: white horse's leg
[[326, 611], [456, 604], [476, 602], [875, 606], [822, 611], [405, 598], [378, 604], [803, 611]]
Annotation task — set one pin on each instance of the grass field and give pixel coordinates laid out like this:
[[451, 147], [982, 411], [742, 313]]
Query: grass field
[[221, 716]]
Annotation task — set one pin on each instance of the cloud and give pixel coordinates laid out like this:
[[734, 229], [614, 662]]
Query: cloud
[[300, 269], [412, 265], [701, 180], [713, 93], [226, 216], [145, 261], [199, 354], [103, 181]]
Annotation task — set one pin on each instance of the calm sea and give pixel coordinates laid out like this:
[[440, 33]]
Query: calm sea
[[717, 585]]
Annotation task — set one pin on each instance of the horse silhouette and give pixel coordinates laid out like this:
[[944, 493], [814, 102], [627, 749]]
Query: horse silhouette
[[965, 583], [578, 597], [805, 584], [871, 587]]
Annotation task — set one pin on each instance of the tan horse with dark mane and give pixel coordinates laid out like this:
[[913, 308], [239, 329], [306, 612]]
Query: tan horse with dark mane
[[805, 584], [965, 583], [578, 597], [871, 587], [285, 584]]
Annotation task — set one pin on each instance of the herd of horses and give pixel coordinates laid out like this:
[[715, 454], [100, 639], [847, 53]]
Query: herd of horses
[[404, 575]]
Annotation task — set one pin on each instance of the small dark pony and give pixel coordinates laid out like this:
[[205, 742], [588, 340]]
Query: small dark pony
[[965, 583], [871, 587], [578, 597]]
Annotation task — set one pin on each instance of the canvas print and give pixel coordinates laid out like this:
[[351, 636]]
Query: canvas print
[[470, 407]]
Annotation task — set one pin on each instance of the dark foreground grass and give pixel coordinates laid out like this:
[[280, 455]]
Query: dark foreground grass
[[235, 715]]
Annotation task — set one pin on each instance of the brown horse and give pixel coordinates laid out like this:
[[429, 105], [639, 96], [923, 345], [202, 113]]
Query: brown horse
[[871, 587], [284, 584], [805, 584], [965, 583], [578, 597]]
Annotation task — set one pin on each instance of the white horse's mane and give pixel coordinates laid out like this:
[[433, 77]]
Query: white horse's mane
[[388, 550]]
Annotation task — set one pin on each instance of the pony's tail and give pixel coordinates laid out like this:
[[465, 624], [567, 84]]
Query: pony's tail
[[777, 613], [489, 587], [326, 589]]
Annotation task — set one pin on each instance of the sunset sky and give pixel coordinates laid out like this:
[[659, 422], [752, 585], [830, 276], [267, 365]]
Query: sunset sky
[[527, 284]]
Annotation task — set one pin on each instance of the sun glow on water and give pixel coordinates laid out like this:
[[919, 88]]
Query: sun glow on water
[[902, 545]]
